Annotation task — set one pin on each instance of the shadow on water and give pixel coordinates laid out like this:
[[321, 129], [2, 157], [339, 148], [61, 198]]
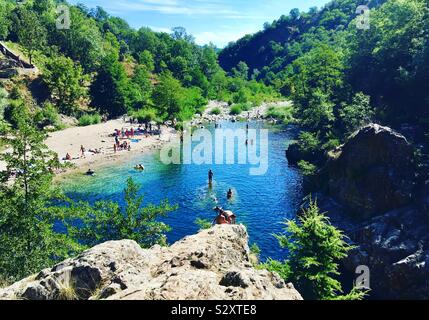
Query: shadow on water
[[262, 203]]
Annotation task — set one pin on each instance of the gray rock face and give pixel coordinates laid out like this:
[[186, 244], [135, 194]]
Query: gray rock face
[[373, 172], [395, 247], [213, 264]]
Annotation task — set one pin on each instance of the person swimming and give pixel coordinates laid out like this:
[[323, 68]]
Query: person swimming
[[140, 167], [230, 194], [90, 172]]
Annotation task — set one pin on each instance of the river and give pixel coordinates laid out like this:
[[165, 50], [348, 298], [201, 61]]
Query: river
[[261, 202]]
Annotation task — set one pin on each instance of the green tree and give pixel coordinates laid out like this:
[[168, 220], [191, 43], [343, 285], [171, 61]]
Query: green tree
[[28, 242], [168, 95], [31, 33], [315, 248], [67, 83], [111, 87], [142, 80], [320, 69], [5, 22], [356, 114], [3, 101], [242, 71], [146, 59], [107, 221], [83, 42]]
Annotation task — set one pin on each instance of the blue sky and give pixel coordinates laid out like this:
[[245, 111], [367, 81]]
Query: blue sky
[[216, 21]]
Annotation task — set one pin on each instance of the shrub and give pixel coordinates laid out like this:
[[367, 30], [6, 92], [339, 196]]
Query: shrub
[[216, 111], [235, 110], [307, 168], [282, 113], [309, 143], [144, 115], [315, 247], [203, 223], [3, 101], [87, 120]]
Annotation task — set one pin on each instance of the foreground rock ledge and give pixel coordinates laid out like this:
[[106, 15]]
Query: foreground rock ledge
[[212, 265]]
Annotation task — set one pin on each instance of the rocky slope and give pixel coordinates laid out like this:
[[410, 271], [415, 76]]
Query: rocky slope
[[214, 264], [370, 191]]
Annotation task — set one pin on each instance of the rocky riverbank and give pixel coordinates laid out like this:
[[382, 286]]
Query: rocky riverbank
[[370, 190], [256, 113], [211, 265]]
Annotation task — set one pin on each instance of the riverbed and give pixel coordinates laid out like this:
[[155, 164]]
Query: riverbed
[[261, 202]]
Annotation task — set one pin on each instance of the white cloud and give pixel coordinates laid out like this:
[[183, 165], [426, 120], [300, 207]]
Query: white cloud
[[160, 29], [220, 38], [177, 7]]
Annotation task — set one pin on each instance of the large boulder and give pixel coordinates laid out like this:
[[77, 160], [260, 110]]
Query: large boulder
[[213, 265], [394, 246], [373, 172]]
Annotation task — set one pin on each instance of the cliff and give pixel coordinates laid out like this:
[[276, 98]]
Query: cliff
[[211, 265], [371, 192]]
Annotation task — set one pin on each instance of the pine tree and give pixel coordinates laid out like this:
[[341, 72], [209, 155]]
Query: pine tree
[[28, 241], [315, 248]]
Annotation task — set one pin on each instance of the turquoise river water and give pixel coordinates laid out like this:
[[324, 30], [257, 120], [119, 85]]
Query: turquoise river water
[[262, 203]]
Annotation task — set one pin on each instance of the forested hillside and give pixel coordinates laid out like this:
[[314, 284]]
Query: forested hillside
[[102, 66], [341, 76]]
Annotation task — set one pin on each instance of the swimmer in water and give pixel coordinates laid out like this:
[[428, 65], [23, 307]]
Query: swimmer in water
[[229, 194]]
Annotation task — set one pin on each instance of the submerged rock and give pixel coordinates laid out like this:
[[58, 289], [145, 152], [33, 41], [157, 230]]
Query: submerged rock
[[214, 265]]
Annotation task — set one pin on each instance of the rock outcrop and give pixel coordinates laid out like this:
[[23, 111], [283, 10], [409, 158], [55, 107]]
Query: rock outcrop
[[214, 264], [369, 192], [373, 172], [394, 245]]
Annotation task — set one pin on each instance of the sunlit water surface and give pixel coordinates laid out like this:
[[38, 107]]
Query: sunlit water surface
[[262, 203]]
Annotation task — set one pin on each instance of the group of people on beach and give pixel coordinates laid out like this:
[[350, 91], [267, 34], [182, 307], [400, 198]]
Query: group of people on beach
[[82, 153], [121, 146]]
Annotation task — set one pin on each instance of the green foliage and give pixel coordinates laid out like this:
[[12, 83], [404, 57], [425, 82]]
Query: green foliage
[[315, 247], [235, 110], [125, 69], [5, 22], [30, 31], [175, 101], [309, 144], [281, 268], [66, 82], [146, 59], [48, 116], [28, 241], [111, 88], [242, 71], [203, 224], [255, 250], [357, 113], [216, 111], [307, 168], [144, 115], [167, 96], [89, 119], [106, 221], [282, 113], [3, 102]]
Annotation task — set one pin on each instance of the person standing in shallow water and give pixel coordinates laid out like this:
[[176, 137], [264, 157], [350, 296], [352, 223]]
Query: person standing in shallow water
[[211, 176]]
